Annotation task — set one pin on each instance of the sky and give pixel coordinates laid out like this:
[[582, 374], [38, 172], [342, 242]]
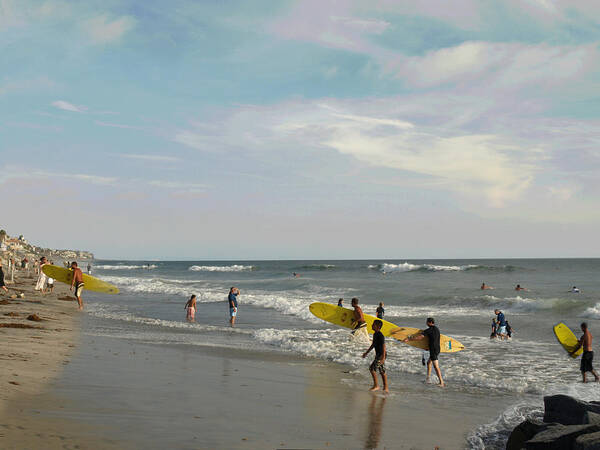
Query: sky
[[302, 129]]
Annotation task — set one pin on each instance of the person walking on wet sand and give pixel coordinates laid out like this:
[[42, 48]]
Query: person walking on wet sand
[[378, 364], [233, 305], [2, 283], [588, 354], [77, 283], [433, 335]]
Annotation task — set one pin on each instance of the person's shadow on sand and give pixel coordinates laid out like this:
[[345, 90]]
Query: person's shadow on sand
[[375, 421]]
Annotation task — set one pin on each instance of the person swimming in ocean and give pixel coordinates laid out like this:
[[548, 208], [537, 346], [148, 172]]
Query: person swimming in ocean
[[575, 290], [519, 288], [485, 286]]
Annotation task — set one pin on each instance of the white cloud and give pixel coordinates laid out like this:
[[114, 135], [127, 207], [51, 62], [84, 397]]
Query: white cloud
[[102, 30], [10, 172], [116, 125], [179, 185], [499, 64], [156, 158], [66, 106]]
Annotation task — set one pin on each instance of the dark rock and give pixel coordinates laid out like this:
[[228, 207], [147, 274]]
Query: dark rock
[[559, 437], [591, 418], [34, 317], [567, 410], [589, 441], [523, 432]]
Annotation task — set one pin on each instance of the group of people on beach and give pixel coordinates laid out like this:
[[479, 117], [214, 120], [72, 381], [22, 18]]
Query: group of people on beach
[[432, 334]]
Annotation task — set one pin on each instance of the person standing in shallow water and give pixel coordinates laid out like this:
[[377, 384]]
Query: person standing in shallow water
[[233, 304], [588, 355], [380, 311], [433, 335], [190, 308]]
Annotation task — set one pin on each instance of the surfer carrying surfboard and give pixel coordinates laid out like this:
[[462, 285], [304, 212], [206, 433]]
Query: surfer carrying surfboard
[[433, 335], [588, 355], [77, 283], [359, 317]]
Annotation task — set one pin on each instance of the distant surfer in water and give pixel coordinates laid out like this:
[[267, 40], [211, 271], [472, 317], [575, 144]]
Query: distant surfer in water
[[378, 364], [519, 288], [588, 355], [190, 308], [359, 317], [341, 302], [432, 333], [380, 311], [77, 283], [233, 294], [485, 286], [575, 290]]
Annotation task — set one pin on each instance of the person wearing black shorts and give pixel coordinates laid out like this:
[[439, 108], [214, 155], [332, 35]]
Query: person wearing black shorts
[[588, 354], [378, 364], [432, 333]]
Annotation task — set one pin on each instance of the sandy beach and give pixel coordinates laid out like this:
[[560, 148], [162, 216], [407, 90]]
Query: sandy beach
[[34, 354]]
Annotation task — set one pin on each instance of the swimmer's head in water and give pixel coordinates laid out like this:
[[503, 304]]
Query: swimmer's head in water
[[354, 301], [377, 324]]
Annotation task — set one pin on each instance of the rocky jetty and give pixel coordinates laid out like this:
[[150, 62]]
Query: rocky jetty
[[568, 424]]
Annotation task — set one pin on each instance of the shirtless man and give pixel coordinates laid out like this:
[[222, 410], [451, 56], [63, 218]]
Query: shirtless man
[[485, 286], [359, 317], [588, 354], [519, 288], [77, 283]]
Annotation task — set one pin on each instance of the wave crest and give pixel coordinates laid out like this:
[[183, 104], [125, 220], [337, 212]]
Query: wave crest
[[233, 268]]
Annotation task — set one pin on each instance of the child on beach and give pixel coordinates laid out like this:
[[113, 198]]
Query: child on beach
[[378, 363], [190, 307], [50, 285]]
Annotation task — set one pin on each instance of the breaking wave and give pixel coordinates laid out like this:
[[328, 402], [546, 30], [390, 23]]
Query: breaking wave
[[233, 268], [408, 267]]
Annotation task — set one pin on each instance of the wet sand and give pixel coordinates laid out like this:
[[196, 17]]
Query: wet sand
[[186, 397]]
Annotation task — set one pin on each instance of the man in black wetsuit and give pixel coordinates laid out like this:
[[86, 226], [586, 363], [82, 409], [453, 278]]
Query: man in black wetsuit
[[433, 335]]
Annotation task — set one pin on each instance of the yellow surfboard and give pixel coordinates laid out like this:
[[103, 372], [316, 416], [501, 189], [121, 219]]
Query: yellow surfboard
[[567, 339], [90, 283], [447, 344], [338, 315]]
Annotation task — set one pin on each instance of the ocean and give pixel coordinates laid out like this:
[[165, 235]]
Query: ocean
[[274, 317]]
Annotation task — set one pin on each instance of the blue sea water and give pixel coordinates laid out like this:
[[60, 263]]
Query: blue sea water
[[274, 316]]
